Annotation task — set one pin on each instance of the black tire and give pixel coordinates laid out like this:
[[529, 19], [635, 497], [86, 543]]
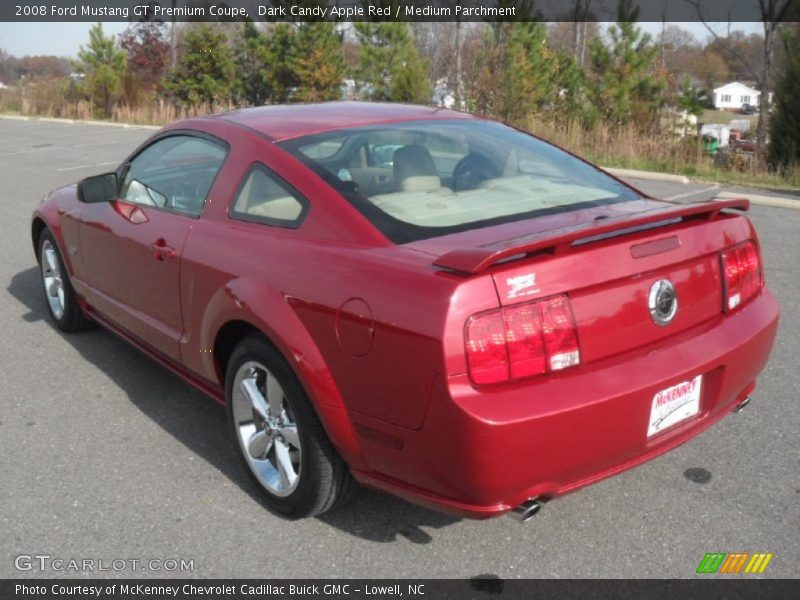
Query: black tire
[[71, 319], [323, 480]]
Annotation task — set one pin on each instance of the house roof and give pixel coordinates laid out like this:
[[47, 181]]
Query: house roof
[[736, 83], [286, 121]]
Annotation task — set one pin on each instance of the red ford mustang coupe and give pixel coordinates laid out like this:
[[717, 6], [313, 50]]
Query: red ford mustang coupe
[[415, 299]]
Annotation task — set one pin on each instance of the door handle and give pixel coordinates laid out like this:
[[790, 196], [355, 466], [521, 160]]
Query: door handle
[[161, 250]]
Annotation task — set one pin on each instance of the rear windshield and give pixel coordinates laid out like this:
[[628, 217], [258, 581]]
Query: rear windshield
[[421, 179]]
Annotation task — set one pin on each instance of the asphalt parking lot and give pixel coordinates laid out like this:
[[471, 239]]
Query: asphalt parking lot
[[105, 455]]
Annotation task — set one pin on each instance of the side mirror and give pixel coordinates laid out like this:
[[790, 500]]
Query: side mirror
[[98, 188]]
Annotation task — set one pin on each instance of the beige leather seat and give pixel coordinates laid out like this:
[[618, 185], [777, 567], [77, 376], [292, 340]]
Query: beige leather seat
[[414, 170], [252, 202]]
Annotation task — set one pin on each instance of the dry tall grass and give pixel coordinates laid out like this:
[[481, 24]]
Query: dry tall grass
[[60, 98], [626, 147], [663, 152]]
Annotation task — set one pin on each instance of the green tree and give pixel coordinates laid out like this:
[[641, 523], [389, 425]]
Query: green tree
[[570, 101], [103, 63], [249, 55], [389, 63], [625, 87], [278, 72], [205, 73], [691, 99], [518, 74], [318, 62], [784, 126]]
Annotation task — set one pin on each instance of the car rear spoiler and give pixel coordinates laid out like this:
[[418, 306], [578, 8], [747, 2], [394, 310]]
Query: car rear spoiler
[[475, 260]]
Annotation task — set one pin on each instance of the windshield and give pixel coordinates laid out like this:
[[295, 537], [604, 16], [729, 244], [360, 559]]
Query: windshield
[[421, 179]]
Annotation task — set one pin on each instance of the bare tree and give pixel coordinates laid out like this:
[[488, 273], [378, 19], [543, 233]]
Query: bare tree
[[582, 15], [772, 13]]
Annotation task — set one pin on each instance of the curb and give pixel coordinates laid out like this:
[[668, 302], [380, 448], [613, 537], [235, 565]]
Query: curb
[[55, 120], [78, 122], [651, 175], [762, 200]]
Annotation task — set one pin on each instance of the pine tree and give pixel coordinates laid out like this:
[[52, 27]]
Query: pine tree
[[389, 64], [625, 87], [518, 74], [570, 103], [206, 71], [278, 71], [249, 56], [690, 99], [104, 65], [784, 125], [318, 62]]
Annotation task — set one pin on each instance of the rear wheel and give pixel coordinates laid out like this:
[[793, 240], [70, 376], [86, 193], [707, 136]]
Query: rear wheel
[[62, 302], [279, 436]]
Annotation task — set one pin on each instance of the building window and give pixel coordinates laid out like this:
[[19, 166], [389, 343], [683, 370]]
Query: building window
[[745, 99], [725, 98]]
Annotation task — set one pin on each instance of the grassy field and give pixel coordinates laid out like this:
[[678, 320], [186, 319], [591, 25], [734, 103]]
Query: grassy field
[[724, 117]]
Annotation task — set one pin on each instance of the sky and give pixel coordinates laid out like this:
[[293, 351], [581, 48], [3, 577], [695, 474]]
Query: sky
[[64, 39]]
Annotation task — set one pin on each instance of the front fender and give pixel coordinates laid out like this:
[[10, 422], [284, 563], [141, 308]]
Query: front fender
[[49, 214]]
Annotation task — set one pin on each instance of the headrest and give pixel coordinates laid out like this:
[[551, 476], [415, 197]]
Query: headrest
[[414, 169]]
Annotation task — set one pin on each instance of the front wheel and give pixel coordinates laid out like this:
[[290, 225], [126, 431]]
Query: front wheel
[[62, 301], [279, 436]]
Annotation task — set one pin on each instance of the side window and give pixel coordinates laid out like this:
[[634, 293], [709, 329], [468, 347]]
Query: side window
[[174, 173], [263, 197]]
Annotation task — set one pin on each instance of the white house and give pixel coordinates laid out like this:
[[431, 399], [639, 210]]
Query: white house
[[732, 95], [3, 86]]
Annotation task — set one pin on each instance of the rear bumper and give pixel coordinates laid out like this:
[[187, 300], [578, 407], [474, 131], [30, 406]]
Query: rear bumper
[[482, 452]]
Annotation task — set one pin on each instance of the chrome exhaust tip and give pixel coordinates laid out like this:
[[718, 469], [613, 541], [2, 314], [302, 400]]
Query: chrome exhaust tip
[[526, 511], [742, 404]]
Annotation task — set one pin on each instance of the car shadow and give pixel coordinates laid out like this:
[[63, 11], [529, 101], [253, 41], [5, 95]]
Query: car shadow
[[199, 423]]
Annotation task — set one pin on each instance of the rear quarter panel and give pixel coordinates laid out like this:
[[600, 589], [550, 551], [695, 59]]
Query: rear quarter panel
[[295, 284]]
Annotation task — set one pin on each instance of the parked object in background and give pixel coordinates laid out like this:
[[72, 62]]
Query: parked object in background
[[710, 144], [721, 132], [748, 109], [745, 145]]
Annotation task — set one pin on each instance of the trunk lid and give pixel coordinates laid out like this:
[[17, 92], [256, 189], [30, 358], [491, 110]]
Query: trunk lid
[[608, 266]]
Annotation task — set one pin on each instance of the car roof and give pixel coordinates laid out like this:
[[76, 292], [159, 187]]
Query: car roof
[[285, 121]]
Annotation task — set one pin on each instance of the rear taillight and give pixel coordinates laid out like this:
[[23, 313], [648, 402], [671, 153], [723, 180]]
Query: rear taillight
[[741, 268], [521, 341]]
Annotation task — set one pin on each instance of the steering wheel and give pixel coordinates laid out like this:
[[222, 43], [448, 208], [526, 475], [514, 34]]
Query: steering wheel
[[470, 171]]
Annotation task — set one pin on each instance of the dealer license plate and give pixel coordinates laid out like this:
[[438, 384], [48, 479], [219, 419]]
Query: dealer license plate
[[673, 405]]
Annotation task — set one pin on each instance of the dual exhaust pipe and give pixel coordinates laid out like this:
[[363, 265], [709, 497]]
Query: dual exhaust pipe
[[742, 404], [526, 511]]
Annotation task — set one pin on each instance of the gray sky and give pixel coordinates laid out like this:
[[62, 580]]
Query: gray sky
[[64, 39]]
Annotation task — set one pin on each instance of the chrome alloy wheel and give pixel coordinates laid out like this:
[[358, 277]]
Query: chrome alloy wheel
[[51, 276], [266, 427]]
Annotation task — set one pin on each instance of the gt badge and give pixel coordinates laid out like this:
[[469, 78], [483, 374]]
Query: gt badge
[[521, 285]]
